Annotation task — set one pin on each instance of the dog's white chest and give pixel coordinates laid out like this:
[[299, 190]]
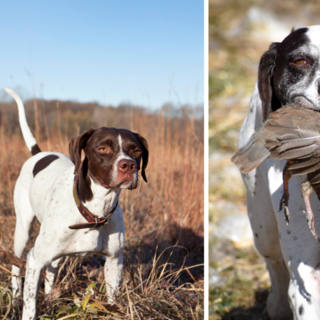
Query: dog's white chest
[[108, 240]]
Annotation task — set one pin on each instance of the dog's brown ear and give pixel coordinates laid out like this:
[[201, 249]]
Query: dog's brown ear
[[265, 76], [76, 145], [145, 155]]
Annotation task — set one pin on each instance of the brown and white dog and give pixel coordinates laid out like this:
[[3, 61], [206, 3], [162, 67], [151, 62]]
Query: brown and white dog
[[289, 73], [78, 216]]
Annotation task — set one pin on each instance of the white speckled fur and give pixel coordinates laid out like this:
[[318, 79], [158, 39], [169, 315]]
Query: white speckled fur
[[51, 201], [48, 196], [291, 253]]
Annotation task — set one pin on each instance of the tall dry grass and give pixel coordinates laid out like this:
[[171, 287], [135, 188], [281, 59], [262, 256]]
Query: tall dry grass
[[163, 272]]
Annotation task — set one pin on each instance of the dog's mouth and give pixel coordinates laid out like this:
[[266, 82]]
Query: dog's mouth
[[125, 184], [305, 102]]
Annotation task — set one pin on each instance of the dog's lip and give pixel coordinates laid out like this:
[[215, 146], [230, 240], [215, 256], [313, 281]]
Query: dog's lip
[[116, 186], [122, 182], [305, 102]]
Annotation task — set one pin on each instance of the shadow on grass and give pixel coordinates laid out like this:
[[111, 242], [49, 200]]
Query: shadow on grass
[[178, 246], [257, 312], [166, 264]]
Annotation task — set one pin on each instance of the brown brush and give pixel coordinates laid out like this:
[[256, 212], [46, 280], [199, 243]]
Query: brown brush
[[10, 258]]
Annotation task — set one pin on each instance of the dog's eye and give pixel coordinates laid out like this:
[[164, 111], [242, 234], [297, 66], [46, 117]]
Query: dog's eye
[[136, 152], [104, 150], [301, 62]]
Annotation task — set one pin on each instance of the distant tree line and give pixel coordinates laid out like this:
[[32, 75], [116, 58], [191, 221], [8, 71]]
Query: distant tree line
[[72, 118]]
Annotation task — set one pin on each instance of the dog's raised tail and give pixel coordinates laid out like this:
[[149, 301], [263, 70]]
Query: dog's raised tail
[[30, 140]]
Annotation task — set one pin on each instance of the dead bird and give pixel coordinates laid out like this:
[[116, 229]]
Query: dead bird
[[291, 133]]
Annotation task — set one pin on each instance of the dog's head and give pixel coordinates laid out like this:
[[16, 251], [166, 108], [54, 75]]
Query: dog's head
[[113, 156], [289, 72]]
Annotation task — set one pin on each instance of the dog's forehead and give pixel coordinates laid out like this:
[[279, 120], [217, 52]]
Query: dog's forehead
[[116, 135], [294, 40], [313, 35], [301, 38]]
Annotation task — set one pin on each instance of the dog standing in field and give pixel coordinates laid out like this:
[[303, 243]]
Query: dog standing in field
[[289, 72], [76, 203]]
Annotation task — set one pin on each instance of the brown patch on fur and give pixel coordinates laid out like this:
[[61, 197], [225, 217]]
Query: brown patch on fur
[[43, 163], [35, 149], [84, 186]]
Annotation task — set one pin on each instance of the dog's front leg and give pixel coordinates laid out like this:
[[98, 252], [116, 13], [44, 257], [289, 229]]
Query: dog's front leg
[[266, 238], [112, 273], [31, 286]]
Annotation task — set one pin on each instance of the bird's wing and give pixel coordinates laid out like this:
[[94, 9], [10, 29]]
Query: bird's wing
[[287, 134], [252, 153], [297, 138]]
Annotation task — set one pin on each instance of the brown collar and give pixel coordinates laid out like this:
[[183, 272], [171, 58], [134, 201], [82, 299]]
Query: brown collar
[[93, 220]]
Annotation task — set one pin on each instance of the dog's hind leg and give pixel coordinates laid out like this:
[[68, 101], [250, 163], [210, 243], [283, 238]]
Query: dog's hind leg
[[31, 285], [266, 237], [51, 274], [39, 257], [24, 218]]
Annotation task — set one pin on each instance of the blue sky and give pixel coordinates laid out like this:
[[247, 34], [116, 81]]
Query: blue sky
[[143, 52]]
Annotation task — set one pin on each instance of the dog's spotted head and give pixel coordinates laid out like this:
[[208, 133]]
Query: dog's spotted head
[[289, 72], [113, 156]]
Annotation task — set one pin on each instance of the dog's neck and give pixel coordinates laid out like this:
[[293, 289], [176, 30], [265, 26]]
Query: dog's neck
[[98, 200]]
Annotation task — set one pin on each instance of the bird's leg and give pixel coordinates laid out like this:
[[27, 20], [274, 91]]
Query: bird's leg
[[286, 175], [306, 190]]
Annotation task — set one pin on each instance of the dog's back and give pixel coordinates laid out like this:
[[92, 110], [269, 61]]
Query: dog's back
[[37, 177]]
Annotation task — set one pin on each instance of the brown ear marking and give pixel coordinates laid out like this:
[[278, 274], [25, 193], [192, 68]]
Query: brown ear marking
[[145, 155], [76, 145], [265, 76]]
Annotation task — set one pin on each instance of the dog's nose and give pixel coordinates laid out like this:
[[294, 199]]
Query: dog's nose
[[127, 166]]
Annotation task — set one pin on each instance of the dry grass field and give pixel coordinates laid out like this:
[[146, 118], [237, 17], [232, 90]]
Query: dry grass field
[[163, 273]]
